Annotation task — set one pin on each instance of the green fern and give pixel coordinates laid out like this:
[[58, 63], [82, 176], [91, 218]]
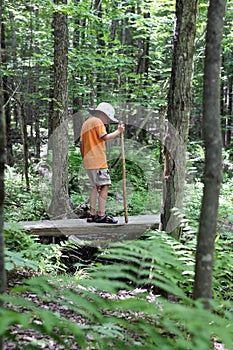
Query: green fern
[[117, 305]]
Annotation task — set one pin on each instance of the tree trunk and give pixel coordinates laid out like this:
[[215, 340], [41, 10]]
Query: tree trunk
[[100, 46], [7, 110], [114, 24], [36, 92], [6, 97], [229, 110], [51, 102], [37, 131], [213, 152], [80, 26], [23, 120], [143, 50], [222, 109], [2, 165], [179, 102], [60, 203]]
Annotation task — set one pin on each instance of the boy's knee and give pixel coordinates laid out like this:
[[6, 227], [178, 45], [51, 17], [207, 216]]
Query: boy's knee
[[94, 189], [104, 191]]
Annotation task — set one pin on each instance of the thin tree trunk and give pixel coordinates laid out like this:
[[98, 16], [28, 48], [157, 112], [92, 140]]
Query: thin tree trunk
[[222, 111], [229, 111], [36, 91], [143, 50], [213, 152], [9, 148], [2, 165], [6, 96], [179, 104], [78, 40], [100, 47], [37, 131], [51, 102], [24, 136], [114, 24]]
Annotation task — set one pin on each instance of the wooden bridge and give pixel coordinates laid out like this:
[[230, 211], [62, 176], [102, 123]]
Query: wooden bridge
[[80, 230]]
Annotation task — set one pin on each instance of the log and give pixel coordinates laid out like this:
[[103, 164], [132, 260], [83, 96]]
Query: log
[[80, 230]]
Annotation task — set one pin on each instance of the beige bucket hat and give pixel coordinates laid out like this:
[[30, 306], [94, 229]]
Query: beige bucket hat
[[107, 109]]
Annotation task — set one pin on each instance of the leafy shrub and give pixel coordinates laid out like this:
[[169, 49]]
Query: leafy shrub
[[24, 251], [192, 205], [16, 238], [17, 260], [143, 178], [223, 267], [226, 199], [21, 204]]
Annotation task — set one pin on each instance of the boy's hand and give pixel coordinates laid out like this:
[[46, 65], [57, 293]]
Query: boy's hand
[[121, 127]]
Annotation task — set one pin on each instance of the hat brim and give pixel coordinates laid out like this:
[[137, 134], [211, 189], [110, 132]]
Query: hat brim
[[92, 110], [96, 111], [113, 120]]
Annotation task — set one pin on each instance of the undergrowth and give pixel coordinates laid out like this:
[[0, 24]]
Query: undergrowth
[[24, 251], [142, 299], [139, 294]]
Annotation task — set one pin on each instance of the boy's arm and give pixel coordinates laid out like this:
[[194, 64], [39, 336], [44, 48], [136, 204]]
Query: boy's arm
[[82, 148], [114, 134]]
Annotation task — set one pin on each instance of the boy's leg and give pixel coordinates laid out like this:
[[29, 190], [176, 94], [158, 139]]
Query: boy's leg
[[102, 216], [93, 198], [103, 193]]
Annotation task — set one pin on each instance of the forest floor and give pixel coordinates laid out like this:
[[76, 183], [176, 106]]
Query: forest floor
[[24, 337]]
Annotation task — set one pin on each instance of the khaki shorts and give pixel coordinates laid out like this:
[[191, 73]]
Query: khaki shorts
[[99, 177]]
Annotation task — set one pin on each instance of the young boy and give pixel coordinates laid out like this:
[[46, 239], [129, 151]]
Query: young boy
[[92, 147]]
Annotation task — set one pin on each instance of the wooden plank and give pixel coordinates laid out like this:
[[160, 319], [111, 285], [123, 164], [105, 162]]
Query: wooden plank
[[79, 229]]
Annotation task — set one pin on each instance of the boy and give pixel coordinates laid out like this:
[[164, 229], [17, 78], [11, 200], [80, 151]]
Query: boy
[[92, 147]]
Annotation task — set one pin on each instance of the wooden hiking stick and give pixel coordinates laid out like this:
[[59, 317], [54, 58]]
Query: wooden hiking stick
[[124, 176]]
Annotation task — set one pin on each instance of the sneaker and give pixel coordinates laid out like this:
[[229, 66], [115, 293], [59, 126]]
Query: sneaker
[[106, 219], [91, 218]]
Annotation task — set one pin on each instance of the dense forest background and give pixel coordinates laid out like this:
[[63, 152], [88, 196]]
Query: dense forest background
[[136, 294], [120, 52]]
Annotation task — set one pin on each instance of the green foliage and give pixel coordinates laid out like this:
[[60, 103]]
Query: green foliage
[[20, 252], [23, 251], [223, 266], [97, 60], [226, 199], [194, 189], [16, 237], [40, 320], [142, 178], [143, 185], [17, 260], [106, 49], [169, 320], [117, 304], [20, 204], [75, 172]]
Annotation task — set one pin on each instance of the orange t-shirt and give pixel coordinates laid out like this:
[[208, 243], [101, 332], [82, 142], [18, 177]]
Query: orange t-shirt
[[92, 133]]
